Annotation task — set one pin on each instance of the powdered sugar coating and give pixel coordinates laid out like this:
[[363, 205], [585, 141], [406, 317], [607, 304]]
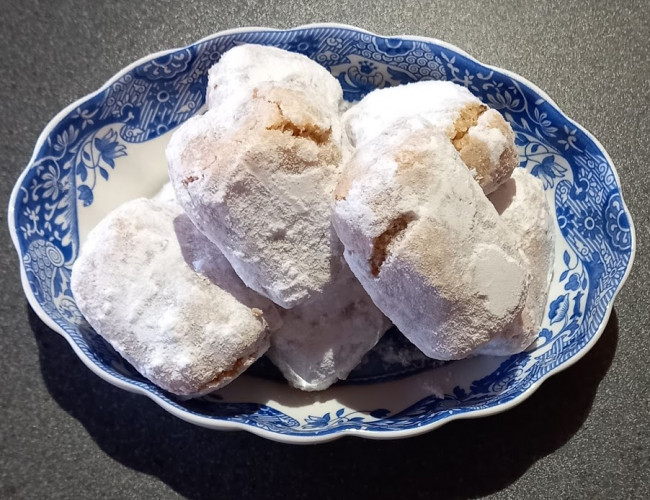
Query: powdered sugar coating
[[178, 328], [258, 182], [205, 258], [314, 345], [452, 276], [525, 210], [483, 137], [434, 101], [167, 195], [323, 341], [245, 67]]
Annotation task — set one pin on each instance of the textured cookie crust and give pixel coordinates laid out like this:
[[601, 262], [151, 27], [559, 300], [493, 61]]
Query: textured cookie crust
[[139, 285], [483, 138], [256, 173], [245, 67], [323, 341], [525, 210], [425, 242]]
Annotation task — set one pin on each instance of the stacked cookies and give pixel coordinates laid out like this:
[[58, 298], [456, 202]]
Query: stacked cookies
[[298, 228]]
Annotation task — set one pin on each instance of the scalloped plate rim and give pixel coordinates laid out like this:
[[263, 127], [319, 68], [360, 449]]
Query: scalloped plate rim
[[308, 439]]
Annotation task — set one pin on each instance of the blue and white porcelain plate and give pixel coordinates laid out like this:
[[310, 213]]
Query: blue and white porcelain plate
[[108, 147]]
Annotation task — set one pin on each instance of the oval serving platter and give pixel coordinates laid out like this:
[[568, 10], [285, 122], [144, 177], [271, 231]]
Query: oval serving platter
[[108, 147]]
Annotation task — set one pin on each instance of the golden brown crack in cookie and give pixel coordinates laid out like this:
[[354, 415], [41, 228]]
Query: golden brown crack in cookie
[[481, 135], [257, 172], [426, 243]]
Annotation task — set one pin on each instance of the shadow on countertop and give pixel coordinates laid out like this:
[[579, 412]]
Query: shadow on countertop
[[463, 459]]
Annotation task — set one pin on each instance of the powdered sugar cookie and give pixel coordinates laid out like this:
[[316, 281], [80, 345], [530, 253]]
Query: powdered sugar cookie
[[135, 283], [425, 242], [483, 138], [261, 189], [323, 341]]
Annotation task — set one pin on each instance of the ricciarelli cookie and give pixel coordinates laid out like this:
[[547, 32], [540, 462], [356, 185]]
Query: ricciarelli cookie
[[259, 183], [426, 244], [323, 341], [144, 283], [483, 138]]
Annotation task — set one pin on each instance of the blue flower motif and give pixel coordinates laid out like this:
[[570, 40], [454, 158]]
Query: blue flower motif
[[367, 68], [52, 184], [460, 393], [506, 100], [565, 219], [166, 96], [315, 422], [548, 170], [85, 195], [589, 223], [617, 226], [393, 47], [109, 148], [546, 334]]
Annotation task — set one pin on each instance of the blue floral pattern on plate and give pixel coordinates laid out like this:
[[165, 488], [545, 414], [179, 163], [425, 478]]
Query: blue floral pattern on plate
[[156, 95]]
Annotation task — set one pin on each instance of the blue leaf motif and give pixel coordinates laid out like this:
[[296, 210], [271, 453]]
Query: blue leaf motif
[[576, 305], [564, 274], [82, 171], [460, 393], [559, 308], [104, 173], [573, 283], [58, 282], [566, 257], [85, 195], [340, 412], [520, 140]]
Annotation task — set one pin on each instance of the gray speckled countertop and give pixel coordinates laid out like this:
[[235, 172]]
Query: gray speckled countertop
[[64, 433]]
